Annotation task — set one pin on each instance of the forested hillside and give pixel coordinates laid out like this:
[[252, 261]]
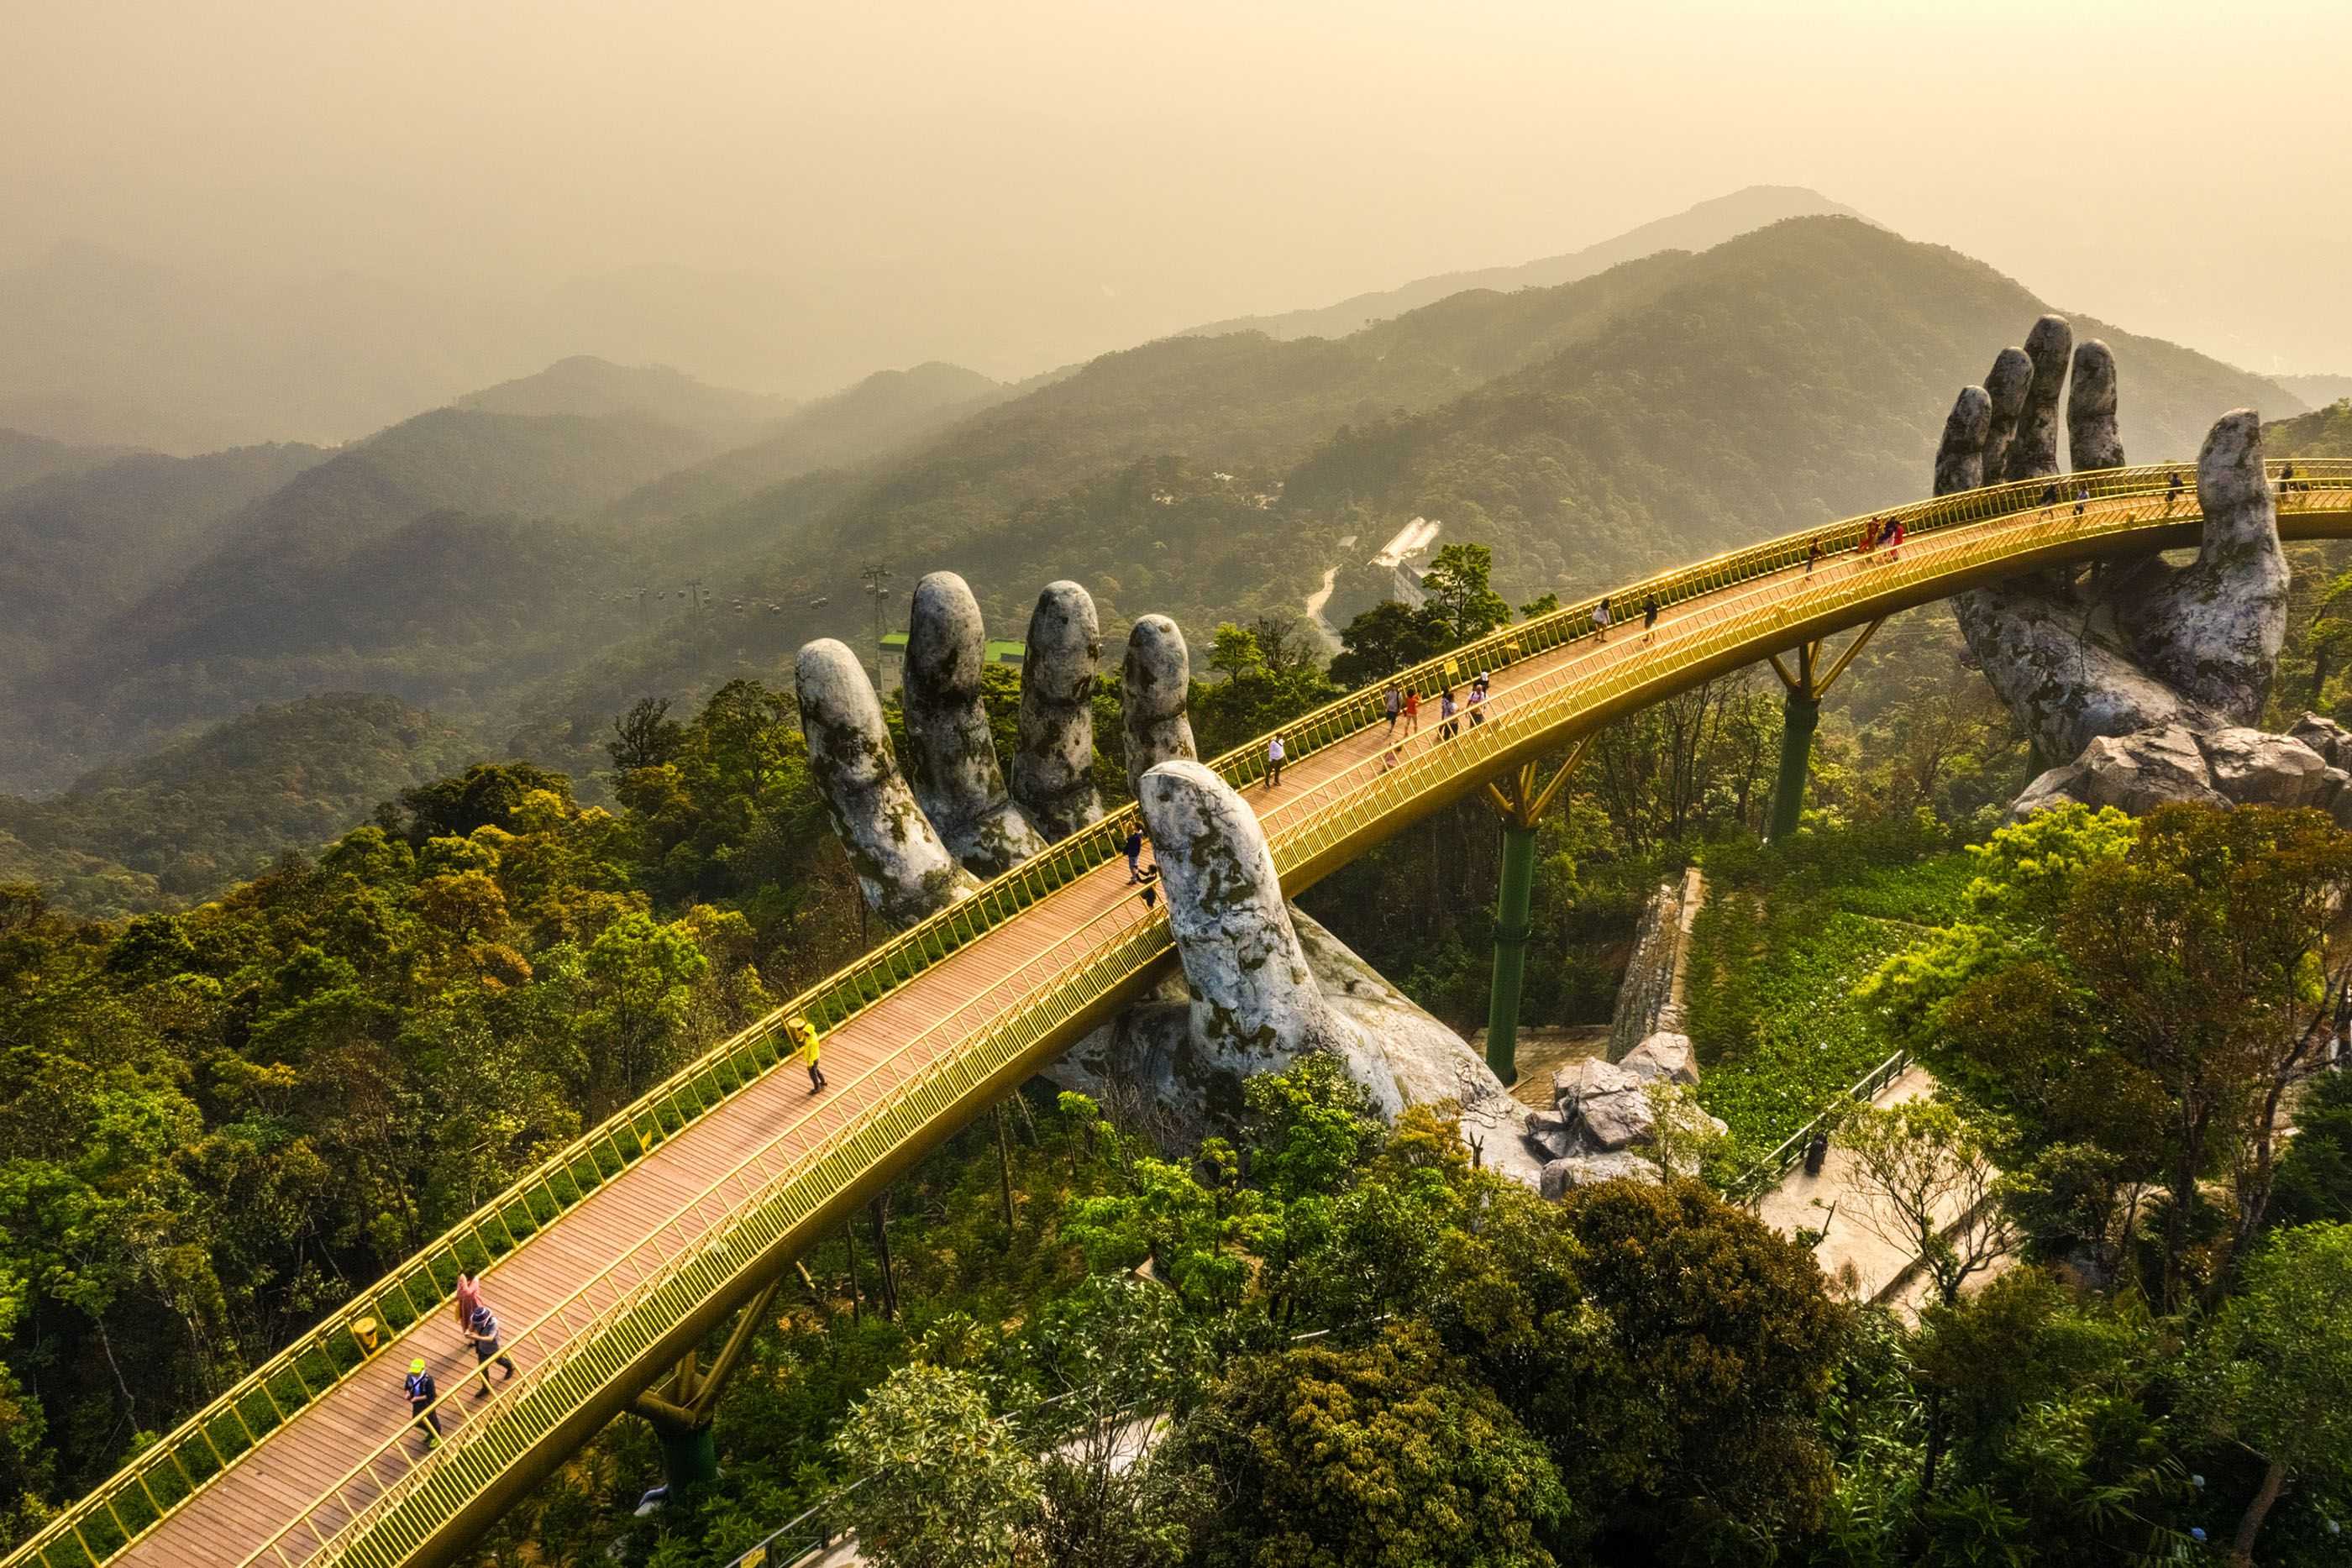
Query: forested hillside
[[1792, 376], [1153, 476], [79, 547], [887, 410], [387, 568], [1663, 409], [191, 818], [25, 457], [1666, 407], [2323, 433]]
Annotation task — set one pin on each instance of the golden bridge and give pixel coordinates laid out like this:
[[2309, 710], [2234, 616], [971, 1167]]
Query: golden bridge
[[619, 1255]]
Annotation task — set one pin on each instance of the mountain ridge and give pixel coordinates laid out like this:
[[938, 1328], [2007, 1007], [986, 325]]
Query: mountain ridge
[[1697, 228]]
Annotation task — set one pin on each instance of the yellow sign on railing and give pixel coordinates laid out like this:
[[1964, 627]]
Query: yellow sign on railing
[[747, 1212]]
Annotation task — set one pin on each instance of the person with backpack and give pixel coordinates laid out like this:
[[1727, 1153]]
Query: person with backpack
[[482, 1332], [418, 1385], [802, 1034]]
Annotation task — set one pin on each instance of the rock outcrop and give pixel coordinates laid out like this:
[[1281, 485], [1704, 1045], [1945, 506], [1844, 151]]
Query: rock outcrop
[[2145, 675], [1605, 1124]]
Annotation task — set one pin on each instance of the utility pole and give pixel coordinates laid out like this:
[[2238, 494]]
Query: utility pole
[[875, 576]]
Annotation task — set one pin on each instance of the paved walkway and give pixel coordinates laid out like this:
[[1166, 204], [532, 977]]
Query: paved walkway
[[1863, 1264]]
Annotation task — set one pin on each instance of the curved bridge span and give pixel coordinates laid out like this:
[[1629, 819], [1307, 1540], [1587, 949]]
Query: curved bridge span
[[625, 1249]]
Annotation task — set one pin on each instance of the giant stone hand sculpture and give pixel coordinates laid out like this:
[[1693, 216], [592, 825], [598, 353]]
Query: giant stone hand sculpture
[[1262, 983], [2147, 678]]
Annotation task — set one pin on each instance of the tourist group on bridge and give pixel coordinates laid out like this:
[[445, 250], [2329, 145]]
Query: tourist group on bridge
[[479, 1325]]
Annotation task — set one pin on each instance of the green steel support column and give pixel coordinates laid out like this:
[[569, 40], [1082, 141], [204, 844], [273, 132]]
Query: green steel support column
[[1511, 915], [690, 1456], [1801, 715]]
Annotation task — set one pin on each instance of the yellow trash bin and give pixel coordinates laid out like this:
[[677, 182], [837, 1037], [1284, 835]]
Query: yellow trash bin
[[367, 1332]]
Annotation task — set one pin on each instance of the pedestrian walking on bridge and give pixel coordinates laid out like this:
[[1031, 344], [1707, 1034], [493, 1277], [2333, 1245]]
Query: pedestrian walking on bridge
[[802, 1034], [482, 1333], [419, 1386], [1649, 618], [1274, 761]]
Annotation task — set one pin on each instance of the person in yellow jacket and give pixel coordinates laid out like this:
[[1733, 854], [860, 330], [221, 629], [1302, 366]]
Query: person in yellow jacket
[[802, 1034]]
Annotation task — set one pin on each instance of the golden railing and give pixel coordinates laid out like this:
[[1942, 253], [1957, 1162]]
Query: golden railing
[[906, 1101]]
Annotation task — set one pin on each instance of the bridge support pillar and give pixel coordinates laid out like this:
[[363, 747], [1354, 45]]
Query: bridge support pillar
[[690, 1456], [1522, 806], [1801, 715], [680, 1406]]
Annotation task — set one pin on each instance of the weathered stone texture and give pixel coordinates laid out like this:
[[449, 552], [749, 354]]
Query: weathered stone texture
[[1155, 687], [1053, 765], [953, 764], [903, 869]]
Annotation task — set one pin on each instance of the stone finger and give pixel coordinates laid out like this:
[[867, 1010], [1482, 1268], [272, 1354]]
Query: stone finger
[[1254, 1000], [2092, 441], [1960, 455], [2033, 451], [952, 763], [1155, 687], [1053, 766], [2213, 629], [2005, 387], [903, 869]]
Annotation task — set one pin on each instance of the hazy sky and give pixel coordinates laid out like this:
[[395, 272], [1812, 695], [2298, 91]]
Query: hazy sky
[[1025, 181]]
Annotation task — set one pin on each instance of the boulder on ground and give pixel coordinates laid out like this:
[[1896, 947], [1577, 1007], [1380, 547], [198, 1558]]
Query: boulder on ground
[[1565, 1176], [2134, 773], [2325, 736], [1663, 1057], [1552, 1132], [1618, 1120], [2254, 767]]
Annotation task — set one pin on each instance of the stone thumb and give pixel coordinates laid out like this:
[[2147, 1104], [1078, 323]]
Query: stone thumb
[[1253, 996]]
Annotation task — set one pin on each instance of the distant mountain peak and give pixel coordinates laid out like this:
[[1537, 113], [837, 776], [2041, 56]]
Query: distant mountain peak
[[595, 387], [1701, 226]]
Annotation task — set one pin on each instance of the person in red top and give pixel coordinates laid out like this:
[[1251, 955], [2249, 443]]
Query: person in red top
[[1895, 540], [1412, 713]]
